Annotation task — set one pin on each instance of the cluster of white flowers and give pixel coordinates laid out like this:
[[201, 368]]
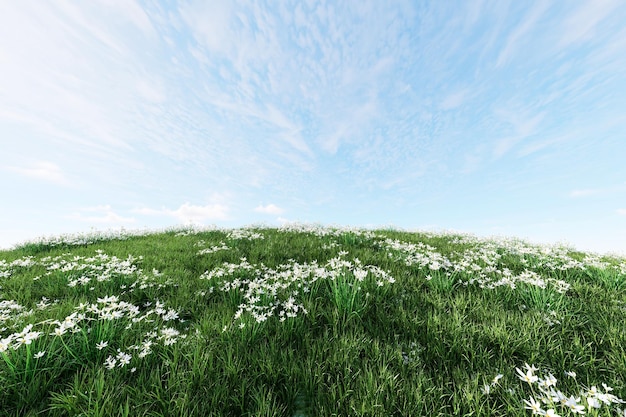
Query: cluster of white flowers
[[212, 249], [9, 309], [77, 239], [95, 236], [121, 359], [7, 268], [81, 271], [551, 398], [323, 231], [244, 234], [546, 257], [551, 318], [15, 340], [100, 267], [267, 290], [421, 254], [111, 308], [482, 262], [166, 335], [194, 230]]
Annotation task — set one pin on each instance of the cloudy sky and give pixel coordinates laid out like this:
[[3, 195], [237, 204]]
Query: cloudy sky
[[489, 117]]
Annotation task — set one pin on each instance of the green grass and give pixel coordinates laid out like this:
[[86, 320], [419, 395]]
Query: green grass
[[308, 321]]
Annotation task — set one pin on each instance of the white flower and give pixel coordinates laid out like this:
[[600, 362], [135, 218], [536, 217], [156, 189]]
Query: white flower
[[28, 338], [171, 315], [604, 398], [59, 331], [593, 402], [124, 359], [4, 343], [435, 266], [144, 353], [39, 354], [571, 374], [606, 387], [528, 376], [110, 362], [360, 274], [572, 404], [111, 299], [169, 341], [534, 406], [496, 379], [557, 396], [549, 381], [169, 333], [102, 345], [551, 413]]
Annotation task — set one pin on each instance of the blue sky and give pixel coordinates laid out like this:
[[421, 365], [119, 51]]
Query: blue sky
[[489, 117]]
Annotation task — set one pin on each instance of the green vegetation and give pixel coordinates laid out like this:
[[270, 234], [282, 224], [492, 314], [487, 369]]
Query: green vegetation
[[309, 321]]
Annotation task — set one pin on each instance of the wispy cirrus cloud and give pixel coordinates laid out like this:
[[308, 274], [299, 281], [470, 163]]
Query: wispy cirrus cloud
[[520, 126], [601, 191], [62, 79], [42, 171], [520, 31], [454, 100], [132, 12], [581, 24]]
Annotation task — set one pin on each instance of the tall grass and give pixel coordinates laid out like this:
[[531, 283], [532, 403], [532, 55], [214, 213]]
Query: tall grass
[[309, 321]]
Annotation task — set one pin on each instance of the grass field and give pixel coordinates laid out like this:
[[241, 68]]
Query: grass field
[[309, 321]]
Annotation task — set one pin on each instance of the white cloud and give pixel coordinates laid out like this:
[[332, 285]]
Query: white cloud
[[587, 192], [44, 171], [189, 213], [542, 144], [523, 125], [269, 209], [519, 32], [621, 212], [99, 214], [583, 193], [581, 24], [210, 22], [58, 79], [349, 127], [133, 13], [453, 100]]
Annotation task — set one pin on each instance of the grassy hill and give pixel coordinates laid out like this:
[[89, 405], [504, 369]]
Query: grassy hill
[[309, 321]]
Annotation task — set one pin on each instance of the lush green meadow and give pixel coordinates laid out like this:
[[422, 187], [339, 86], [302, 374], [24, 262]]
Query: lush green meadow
[[309, 321]]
